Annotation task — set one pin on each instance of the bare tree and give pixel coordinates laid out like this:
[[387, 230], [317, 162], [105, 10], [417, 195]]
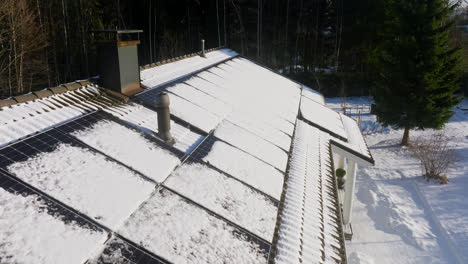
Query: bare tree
[[21, 42]]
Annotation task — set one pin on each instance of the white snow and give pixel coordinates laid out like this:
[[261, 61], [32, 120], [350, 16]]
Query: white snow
[[307, 230], [146, 120], [165, 73], [252, 144], [21, 120], [28, 234], [313, 95], [355, 138], [201, 99], [262, 129], [322, 116], [129, 147], [182, 233], [397, 216], [86, 181], [225, 196], [195, 115], [246, 168]]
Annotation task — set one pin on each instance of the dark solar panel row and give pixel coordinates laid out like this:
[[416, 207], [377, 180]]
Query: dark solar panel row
[[41, 143]]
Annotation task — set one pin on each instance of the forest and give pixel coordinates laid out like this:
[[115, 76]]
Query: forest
[[326, 44]]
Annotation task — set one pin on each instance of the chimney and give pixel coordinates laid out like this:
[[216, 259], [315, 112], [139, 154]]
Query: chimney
[[118, 60], [203, 48], [164, 118]]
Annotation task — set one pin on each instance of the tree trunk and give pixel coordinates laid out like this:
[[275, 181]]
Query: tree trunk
[[405, 140]]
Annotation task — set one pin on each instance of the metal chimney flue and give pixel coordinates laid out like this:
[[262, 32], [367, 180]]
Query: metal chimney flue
[[164, 118], [203, 48], [118, 60]]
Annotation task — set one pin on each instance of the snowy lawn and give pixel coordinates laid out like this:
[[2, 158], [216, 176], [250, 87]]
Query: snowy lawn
[[398, 217]]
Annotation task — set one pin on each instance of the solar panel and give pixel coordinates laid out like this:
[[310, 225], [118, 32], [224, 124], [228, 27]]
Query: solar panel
[[29, 217], [88, 121], [253, 144], [74, 174], [226, 196], [323, 118], [126, 144], [240, 165], [185, 110], [43, 142], [182, 232], [117, 250]]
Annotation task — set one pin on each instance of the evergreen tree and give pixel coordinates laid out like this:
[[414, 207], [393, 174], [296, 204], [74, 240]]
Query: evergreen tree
[[418, 68]]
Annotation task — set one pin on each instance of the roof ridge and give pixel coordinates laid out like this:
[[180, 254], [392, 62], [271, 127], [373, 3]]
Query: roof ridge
[[170, 60]]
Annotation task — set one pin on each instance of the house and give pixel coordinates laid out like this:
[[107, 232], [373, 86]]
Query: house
[[86, 176]]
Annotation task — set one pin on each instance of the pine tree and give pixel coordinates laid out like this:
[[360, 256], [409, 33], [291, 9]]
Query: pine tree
[[418, 68]]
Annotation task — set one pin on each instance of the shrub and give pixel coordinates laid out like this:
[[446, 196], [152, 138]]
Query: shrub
[[435, 156], [340, 172]]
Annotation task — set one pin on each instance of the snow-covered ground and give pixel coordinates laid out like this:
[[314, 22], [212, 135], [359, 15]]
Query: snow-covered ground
[[398, 217]]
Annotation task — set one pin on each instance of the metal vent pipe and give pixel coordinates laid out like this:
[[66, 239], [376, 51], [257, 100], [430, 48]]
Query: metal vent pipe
[[203, 48], [164, 118]]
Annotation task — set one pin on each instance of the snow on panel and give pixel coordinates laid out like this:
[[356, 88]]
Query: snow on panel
[[146, 120], [86, 181], [308, 230], [200, 98], [193, 114], [246, 168], [28, 234], [227, 197], [252, 144], [323, 117], [185, 110], [180, 232], [245, 85], [207, 87], [313, 95], [355, 138], [171, 71], [129, 147], [262, 129]]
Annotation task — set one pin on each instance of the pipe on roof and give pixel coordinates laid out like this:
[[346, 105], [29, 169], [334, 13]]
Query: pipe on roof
[[164, 117]]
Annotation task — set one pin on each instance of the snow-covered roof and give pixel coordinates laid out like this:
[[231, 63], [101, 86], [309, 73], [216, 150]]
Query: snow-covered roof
[[248, 180]]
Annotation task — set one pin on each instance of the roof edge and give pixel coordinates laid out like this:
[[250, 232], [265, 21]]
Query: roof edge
[[31, 96]]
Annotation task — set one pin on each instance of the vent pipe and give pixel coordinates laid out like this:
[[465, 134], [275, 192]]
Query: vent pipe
[[164, 118], [203, 48]]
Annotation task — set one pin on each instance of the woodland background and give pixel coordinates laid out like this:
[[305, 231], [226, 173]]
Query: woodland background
[[326, 44]]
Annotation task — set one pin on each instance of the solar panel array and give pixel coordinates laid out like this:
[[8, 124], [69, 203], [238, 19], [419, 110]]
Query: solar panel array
[[37, 150], [211, 197]]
